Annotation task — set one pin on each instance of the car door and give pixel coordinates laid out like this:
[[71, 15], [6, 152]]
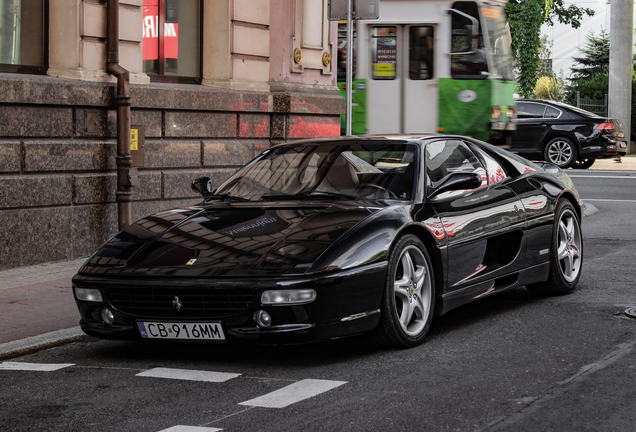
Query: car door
[[532, 128], [485, 226]]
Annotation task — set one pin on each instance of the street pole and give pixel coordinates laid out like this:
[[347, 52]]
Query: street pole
[[620, 65], [349, 93]]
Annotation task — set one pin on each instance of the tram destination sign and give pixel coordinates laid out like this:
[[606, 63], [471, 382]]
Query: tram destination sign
[[362, 9]]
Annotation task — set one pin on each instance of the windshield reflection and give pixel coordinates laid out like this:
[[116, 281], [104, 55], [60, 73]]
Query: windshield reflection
[[349, 171]]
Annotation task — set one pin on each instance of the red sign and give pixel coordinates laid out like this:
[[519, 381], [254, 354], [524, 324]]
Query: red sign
[[151, 33]]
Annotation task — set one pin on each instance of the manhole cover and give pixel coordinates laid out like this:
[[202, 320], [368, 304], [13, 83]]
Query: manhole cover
[[631, 312]]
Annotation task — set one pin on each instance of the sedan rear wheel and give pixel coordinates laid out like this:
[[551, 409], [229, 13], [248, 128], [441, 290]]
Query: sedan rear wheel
[[560, 152], [409, 294], [566, 253]]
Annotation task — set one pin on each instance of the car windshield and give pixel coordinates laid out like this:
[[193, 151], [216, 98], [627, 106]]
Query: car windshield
[[329, 171]]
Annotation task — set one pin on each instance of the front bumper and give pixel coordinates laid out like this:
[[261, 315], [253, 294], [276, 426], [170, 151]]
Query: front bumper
[[347, 303]]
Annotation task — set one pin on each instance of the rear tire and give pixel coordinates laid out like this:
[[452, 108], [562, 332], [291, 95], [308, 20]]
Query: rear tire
[[560, 152], [408, 301], [566, 253]]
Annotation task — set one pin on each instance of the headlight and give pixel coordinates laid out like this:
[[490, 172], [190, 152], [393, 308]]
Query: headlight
[[288, 297], [88, 294]]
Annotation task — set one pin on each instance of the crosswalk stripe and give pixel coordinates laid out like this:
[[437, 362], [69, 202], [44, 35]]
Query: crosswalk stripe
[[293, 393], [180, 428], [188, 375], [39, 367]]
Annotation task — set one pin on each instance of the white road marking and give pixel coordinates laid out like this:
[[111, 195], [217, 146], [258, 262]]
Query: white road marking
[[293, 393], [188, 375], [39, 367], [607, 200], [603, 177], [180, 428]]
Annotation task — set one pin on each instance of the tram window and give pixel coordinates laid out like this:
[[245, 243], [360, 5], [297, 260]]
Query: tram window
[[467, 63], [384, 52], [421, 52]]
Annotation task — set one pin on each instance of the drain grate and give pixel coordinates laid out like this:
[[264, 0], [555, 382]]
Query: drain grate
[[631, 312]]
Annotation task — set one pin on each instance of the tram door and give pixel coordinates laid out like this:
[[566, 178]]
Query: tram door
[[402, 89]]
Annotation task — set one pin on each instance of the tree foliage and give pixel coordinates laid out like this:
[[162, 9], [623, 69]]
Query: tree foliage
[[525, 18], [594, 58], [590, 73]]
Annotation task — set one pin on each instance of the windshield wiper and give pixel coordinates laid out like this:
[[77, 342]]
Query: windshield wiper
[[310, 194], [225, 196]]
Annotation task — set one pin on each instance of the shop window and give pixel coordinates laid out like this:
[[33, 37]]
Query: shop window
[[172, 40], [23, 36]]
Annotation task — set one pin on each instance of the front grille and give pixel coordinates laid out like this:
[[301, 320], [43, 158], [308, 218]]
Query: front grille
[[195, 302]]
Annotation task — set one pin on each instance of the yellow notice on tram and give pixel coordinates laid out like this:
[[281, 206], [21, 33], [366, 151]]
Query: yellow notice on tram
[[384, 70], [491, 13]]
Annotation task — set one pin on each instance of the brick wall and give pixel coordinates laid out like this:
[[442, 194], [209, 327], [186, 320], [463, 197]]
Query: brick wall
[[58, 147]]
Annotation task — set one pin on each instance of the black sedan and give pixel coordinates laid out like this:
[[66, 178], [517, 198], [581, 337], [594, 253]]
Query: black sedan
[[326, 238], [565, 135]]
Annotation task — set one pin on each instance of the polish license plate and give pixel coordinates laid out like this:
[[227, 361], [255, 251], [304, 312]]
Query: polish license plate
[[212, 331]]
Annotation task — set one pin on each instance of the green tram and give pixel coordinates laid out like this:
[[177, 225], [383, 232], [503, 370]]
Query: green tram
[[432, 66]]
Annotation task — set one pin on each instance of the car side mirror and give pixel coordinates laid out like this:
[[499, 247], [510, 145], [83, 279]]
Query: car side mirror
[[203, 185], [457, 181]]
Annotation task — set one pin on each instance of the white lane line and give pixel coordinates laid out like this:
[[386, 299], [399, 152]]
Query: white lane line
[[603, 177], [39, 367], [188, 375], [180, 428], [608, 200], [293, 393]]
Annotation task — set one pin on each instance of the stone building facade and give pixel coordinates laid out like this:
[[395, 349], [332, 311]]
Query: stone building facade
[[212, 84]]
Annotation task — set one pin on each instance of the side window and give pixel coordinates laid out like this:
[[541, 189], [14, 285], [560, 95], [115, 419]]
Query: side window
[[446, 157], [172, 40], [23, 36], [495, 171], [421, 42], [383, 53], [552, 112], [530, 110]]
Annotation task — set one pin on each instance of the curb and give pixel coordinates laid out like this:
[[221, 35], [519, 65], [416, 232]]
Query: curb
[[36, 343]]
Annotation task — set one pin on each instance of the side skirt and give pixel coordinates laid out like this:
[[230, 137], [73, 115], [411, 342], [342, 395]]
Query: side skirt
[[455, 299]]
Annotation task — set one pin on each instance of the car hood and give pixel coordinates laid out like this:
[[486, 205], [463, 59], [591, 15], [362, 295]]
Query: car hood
[[227, 239]]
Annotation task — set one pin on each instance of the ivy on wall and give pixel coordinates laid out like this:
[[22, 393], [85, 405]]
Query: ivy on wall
[[526, 18]]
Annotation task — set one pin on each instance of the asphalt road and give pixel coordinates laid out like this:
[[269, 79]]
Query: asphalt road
[[512, 362]]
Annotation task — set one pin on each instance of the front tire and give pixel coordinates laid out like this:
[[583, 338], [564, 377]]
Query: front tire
[[560, 152], [409, 295], [566, 253]]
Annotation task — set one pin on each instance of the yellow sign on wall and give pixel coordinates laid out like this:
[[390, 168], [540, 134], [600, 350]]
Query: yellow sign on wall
[[134, 139]]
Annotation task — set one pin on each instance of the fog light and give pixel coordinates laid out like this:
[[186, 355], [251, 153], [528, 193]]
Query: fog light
[[288, 297], [88, 294], [107, 316], [262, 318]]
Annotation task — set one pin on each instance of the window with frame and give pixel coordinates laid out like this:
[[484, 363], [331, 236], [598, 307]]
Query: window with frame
[[384, 53], [172, 40], [446, 157], [23, 36]]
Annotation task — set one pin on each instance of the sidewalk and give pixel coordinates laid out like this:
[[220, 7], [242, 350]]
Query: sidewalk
[[37, 307]]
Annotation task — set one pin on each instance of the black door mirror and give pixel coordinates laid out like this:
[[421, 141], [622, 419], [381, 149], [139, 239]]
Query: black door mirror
[[457, 181], [203, 185]]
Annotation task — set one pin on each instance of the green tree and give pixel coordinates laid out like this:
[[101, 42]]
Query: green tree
[[590, 73], [594, 59], [525, 18]]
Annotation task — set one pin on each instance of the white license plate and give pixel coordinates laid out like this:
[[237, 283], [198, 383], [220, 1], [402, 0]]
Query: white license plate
[[192, 331]]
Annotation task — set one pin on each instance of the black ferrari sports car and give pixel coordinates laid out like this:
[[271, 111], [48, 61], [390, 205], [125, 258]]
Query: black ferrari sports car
[[326, 238]]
